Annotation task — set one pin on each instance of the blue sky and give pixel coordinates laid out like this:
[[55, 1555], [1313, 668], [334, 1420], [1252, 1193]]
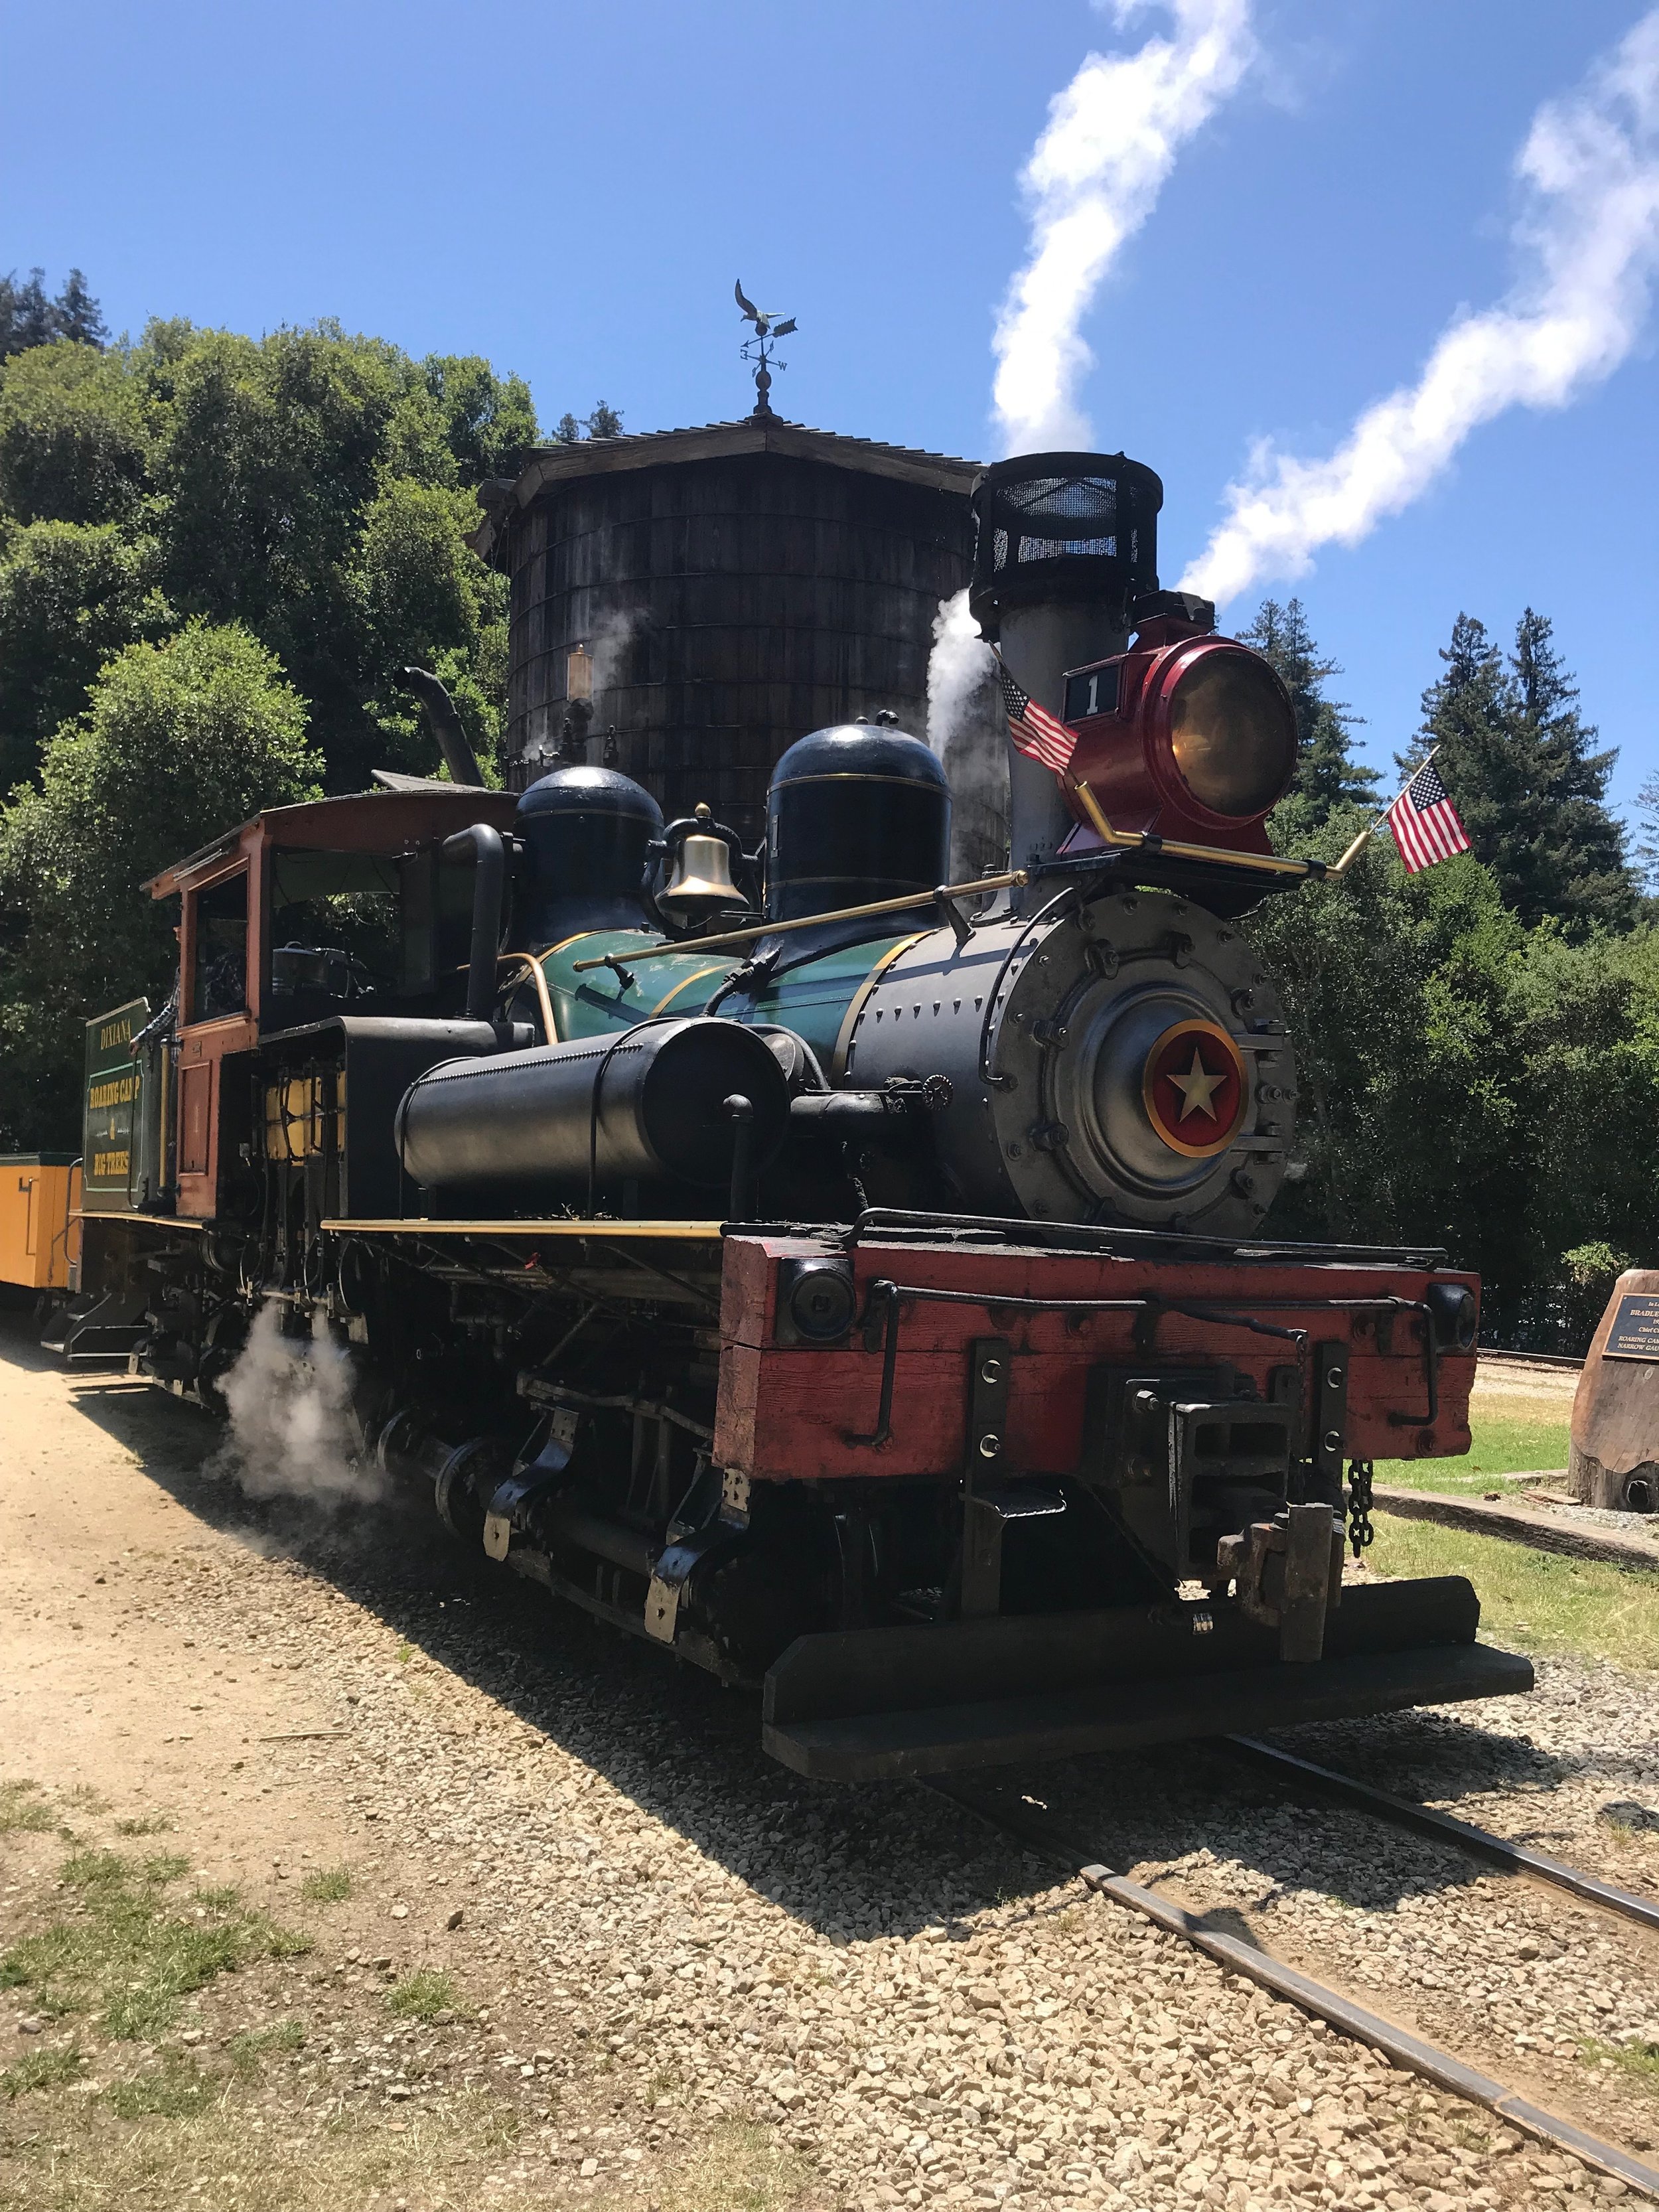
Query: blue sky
[[572, 189]]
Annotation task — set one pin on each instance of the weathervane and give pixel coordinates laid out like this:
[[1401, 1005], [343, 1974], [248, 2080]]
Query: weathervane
[[759, 348]]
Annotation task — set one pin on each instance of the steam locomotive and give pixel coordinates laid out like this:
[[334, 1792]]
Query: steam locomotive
[[854, 1282]]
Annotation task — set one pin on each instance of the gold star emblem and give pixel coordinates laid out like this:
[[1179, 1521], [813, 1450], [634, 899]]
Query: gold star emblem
[[1197, 1087]]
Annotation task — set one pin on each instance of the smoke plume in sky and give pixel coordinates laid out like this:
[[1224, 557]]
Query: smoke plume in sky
[[1588, 240], [1093, 179]]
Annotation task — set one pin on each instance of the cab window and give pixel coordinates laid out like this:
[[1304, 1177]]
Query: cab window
[[335, 934], [219, 977]]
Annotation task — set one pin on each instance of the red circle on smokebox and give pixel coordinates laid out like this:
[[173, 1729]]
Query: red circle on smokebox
[[1193, 1088]]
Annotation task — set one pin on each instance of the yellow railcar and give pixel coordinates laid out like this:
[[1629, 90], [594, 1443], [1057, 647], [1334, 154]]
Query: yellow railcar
[[39, 1197]]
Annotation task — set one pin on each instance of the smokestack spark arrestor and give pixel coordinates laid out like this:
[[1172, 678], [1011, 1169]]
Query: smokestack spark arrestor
[[1064, 526]]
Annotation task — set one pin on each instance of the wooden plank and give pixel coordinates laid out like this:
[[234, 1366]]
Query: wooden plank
[[788, 1414], [1542, 1530]]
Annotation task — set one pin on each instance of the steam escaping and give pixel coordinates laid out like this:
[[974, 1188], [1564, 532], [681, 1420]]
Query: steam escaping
[[609, 644], [968, 732], [1093, 179], [291, 1431], [959, 667], [1590, 237]]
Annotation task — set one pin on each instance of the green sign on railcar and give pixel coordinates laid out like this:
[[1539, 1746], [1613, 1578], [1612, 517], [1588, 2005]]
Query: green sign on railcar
[[111, 1110]]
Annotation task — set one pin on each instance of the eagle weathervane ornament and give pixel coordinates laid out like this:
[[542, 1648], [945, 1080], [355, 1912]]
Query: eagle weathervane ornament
[[760, 348]]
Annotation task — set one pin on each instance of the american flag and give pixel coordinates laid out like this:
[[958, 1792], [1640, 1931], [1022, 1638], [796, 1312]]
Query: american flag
[[1034, 729], [1425, 822]]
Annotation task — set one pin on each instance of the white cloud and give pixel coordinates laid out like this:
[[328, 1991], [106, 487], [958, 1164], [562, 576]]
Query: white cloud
[[1589, 240], [1093, 179]]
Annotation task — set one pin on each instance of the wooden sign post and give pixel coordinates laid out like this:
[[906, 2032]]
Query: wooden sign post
[[1614, 1459]]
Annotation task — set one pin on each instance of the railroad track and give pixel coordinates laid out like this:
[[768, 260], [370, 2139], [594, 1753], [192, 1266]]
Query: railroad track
[[1029, 1822]]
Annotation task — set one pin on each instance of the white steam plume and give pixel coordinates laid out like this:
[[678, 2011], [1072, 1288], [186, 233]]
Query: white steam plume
[[968, 731], [1093, 179], [291, 1431], [1590, 235]]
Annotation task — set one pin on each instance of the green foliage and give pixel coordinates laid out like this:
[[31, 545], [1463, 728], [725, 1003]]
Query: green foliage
[[1326, 773], [487, 421], [314, 486], [1515, 754], [78, 431], [71, 594], [180, 740], [1465, 1081]]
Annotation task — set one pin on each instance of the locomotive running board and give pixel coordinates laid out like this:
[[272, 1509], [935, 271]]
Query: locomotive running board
[[874, 1704]]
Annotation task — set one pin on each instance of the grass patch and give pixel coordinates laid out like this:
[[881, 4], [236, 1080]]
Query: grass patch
[[42, 2069], [206, 2157], [1501, 1444], [174, 2090], [327, 1885], [422, 1995], [147, 1823], [123, 1952], [22, 1809], [248, 2049], [1639, 2059], [1537, 1601]]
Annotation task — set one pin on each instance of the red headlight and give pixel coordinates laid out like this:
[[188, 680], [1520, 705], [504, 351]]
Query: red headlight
[[1193, 738]]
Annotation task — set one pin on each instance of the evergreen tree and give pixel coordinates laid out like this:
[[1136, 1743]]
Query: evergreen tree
[[28, 318], [1516, 757], [604, 422], [24, 312], [1327, 776], [1584, 840], [1647, 836]]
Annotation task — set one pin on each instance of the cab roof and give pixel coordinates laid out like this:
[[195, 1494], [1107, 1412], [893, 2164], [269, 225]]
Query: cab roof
[[366, 822]]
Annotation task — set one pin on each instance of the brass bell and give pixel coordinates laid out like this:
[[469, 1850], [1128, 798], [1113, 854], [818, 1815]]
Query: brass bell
[[700, 885]]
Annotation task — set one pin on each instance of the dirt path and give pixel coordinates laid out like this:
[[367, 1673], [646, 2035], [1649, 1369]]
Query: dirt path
[[573, 1942]]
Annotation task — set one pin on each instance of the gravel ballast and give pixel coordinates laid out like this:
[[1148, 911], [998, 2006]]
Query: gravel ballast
[[590, 1839]]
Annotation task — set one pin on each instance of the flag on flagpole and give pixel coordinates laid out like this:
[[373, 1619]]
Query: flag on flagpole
[[1034, 729], [1425, 822]]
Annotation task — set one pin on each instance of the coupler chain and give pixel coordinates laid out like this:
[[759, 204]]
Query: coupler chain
[[1360, 1531]]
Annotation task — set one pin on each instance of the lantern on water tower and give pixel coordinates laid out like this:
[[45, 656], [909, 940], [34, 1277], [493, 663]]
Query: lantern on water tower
[[579, 703]]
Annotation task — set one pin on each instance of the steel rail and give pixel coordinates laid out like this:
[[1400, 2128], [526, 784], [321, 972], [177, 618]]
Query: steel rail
[[1445, 1827], [1042, 1834]]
